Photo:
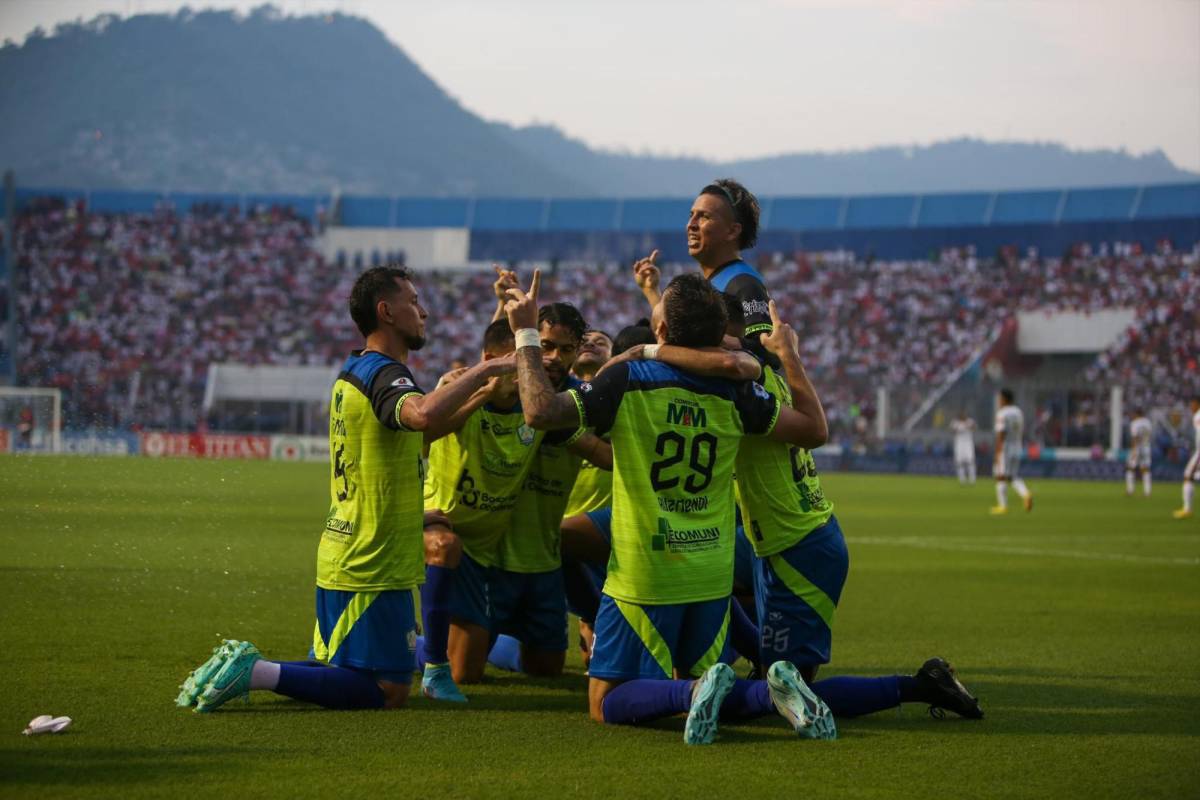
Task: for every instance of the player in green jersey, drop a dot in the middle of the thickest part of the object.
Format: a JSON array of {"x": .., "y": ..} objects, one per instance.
[
  {"x": 477, "y": 475},
  {"x": 371, "y": 552},
  {"x": 675, "y": 436}
]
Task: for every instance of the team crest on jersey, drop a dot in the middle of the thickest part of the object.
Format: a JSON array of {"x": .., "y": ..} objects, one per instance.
[
  {"x": 760, "y": 391},
  {"x": 525, "y": 434},
  {"x": 404, "y": 383},
  {"x": 586, "y": 386}
]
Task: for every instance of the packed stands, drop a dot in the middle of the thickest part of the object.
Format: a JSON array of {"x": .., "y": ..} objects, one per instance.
[{"x": 125, "y": 311}]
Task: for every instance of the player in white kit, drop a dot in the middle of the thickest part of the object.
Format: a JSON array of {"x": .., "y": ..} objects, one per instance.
[
  {"x": 1010, "y": 427},
  {"x": 964, "y": 448},
  {"x": 1140, "y": 431},
  {"x": 1191, "y": 473}
]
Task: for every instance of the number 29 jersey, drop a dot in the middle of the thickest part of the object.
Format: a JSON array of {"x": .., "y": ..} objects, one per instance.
[{"x": 675, "y": 437}]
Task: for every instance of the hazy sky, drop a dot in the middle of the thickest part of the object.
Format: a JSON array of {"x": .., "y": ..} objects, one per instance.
[{"x": 737, "y": 78}]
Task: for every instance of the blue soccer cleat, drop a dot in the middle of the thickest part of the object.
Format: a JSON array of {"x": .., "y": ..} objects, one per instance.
[
  {"x": 194, "y": 684},
  {"x": 438, "y": 684},
  {"x": 807, "y": 713},
  {"x": 232, "y": 679},
  {"x": 707, "y": 696}
]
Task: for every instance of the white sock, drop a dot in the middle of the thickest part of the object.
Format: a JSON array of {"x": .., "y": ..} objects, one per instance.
[
  {"x": 971, "y": 473},
  {"x": 1128, "y": 481},
  {"x": 1189, "y": 489},
  {"x": 1002, "y": 494},
  {"x": 1146, "y": 482},
  {"x": 962, "y": 473},
  {"x": 264, "y": 675},
  {"x": 1021, "y": 488}
]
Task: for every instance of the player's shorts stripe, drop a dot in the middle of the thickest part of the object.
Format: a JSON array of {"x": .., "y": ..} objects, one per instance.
[
  {"x": 713, "y": 654},
  {"x": 641, "y": 624},
  {"x": 358, "y": 605},
  {"x": 803, "y": 588}
]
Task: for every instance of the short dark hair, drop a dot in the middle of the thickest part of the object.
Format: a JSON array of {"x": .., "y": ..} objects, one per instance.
[
  {"x": 630, "y": 336},
  {"x": 694, "y": 312},
  {"x": 497, "y": 335},
  {"x": 369, "y": 288},
  {"x": 744, "y": 205},
  {"x": 563, "y": 314},
  {"x": 1007, "y": 394}
]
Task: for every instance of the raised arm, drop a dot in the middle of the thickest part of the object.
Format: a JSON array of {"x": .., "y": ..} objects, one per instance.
[
  {"x": 804, "y": 423},
  {"x": 464, "y": 412},
  {"x": 545, "y": 407},
  {"x": 713, "y": 362},
  {"x": 648, "y": 275},
  {"x": 434, "y": 414},
  {"x": 505, "y": 279}
]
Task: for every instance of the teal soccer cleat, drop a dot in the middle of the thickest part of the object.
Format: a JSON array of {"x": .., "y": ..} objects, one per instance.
[
  {"x": 807, "y": 713},
  {"x": 194, "y": 684},
  {"x": 438, "y": 684},
  {"x": 707, "y": 696},
  {"x": 232, "y": 679}
]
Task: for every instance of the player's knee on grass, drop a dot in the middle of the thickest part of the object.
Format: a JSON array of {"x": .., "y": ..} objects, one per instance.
[
  {"x": 443, "y": 548},
  {"x": 468, "y": 651},
  {"x": 542, "y": 663},
  {"x": 395, "y": 695}
]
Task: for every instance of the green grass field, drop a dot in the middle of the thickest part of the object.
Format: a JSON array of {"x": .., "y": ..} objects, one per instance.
[{"x": 1078, "y": 626}]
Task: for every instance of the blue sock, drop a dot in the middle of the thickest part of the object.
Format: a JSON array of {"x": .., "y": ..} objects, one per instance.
[
  {"x": 743, "y": 633},
  {"x": 746, "y": 700},
  {"x": 644, "y": 700},
  {"x": 331, "y": 687},
  {"x": 419, "y": 654},
  {"x": 853, "y": 697},
  {"x": 506, "y": 654},
  {"x": 435, "y": 612}
]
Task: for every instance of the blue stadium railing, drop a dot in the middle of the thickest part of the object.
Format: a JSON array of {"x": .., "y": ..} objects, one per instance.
[{"x": 885, "y": 225}]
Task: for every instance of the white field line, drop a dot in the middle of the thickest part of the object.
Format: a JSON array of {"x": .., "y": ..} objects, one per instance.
[{"x": 926, "y": 543}]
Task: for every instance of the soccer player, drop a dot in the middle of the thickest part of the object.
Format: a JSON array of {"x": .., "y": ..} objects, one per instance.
[
  {"x": 1010, "y": 424},
  {"x": 477, "y": 475},
  {"x": 1138, "y": 461},
  {"x": 964, "y": 448},
  {"x": 666, "y": 606},
  {"x": 1191, "y": 472},
  {"x": 371, "y": 554}
]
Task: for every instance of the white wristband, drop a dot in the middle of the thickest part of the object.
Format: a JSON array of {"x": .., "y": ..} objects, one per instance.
[
  {"x": 528, "y": 337},
  {"x": 650, "y": 352}
]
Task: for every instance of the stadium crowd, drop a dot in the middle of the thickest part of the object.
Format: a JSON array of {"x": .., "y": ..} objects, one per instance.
[{"x": 125, "y": 312}]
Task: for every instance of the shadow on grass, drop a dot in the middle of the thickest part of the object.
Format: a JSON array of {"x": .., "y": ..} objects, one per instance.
[{"x": 91, "y": 766}]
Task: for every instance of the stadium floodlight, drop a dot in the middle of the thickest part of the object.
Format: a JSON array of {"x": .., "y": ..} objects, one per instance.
[{"x": 30, "y": 419}]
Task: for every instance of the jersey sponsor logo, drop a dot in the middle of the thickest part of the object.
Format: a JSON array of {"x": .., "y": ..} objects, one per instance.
[
  {"x": 687, "y": 541},
  {"x": 752, "y": 307},
  {"x": 403, "y": 383},
  {"x": 334, "y": 525},
  {"x": 337, "y": 402},
  {"x": 687, "y": 414},
  {"x": 760, "y": 391},
  {"x": 682, "y": 505}
]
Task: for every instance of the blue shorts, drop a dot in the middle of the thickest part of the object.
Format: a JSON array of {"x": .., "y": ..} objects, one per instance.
[
  {"x": 644, "y": 641},
  {"x": 471, "y": 593},
  {"x": 531, "y": 607},
  {"x": 373, "y": 632},
  {"x": 796, "y": 593}
]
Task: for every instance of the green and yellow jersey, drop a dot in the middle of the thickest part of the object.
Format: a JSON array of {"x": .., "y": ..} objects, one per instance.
[
  {"x": 476, "y": 475},
  {"x": 532, "y": 543},
  {"x": 778, "y": 489},
  {"x": 373, "y": 532},
  {"x": 675, "y": 438},
  {"x": 593, "y": 490}
]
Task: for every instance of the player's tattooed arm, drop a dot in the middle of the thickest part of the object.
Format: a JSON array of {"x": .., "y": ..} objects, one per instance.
[
  {"x": 545, "y": 407},
  {"x": 434, "y": 414},
  {"x": 648, "y": 276},
  {"x": 594, "y": 449},
  {"x": 806, "y": 418}
]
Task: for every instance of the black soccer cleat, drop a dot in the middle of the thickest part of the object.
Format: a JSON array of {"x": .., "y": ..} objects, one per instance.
[{"x": 942, "y": 690}]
